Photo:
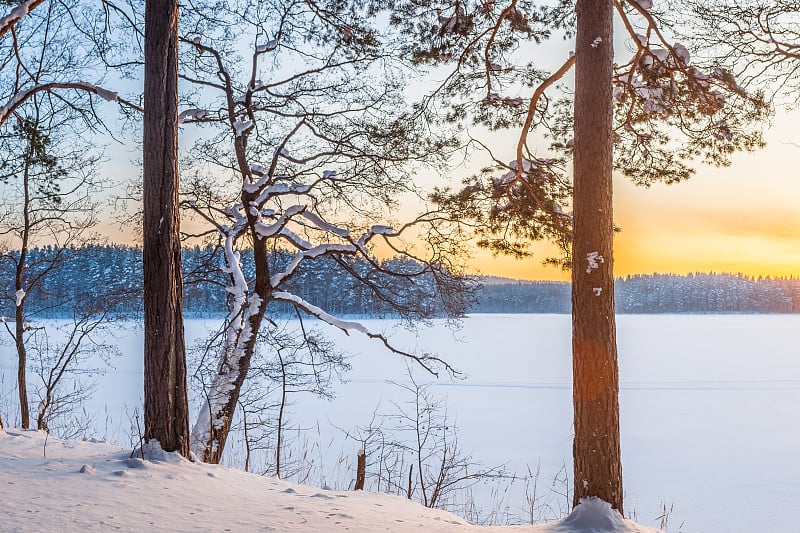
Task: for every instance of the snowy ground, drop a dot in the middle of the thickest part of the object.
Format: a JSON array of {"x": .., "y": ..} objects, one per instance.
[
  {"x": 710, "y": 426},
  {"x": 59, "y": 485}
]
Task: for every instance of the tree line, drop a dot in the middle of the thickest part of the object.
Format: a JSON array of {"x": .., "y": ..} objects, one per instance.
[
  {"x": 653, "y": 293},
  {"x": 115, "y": 272}
]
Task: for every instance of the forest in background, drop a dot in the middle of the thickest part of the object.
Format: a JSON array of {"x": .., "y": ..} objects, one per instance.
[{"x": 116, "y": 271}]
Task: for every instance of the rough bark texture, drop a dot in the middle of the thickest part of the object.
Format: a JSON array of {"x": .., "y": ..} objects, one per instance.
[
  {"x": 596, "y": 448},
  {"x": 165, "y": 396}
]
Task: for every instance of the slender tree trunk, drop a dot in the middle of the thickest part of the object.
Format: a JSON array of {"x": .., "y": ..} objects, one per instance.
[
  {"x": 596, "y": 448},
  {"x": 19, "y": 310},
  {"x": 165, "y": 396},
  {"x": 279, "y": 439},
  {"x": 22, "y": 363},
  {"x": 41, "y": 422},
  {"x": 361, "y": 469}
]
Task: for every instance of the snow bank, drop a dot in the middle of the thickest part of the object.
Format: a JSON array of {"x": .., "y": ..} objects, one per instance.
[
  {"x": 593, "y": 515},
  {"x": 59, "y": 485}
]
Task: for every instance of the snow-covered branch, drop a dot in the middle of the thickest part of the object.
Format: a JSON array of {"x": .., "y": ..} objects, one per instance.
[
  {"x": 16, "y": 14},
  {"x": 21, "y": 97},
  {"x": 266, "y": 231},
  {"x": 426, "y": 361},
  {"x": 313, "y": 253}
]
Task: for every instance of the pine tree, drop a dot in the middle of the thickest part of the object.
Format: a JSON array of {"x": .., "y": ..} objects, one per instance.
[{"x": 166, "y": 408}]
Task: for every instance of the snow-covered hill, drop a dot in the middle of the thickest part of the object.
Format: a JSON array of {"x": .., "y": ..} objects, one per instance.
[{"x": 59, "y": 485}]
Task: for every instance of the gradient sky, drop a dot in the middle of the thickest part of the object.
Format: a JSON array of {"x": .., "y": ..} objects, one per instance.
[{"x": 743, "y": 218}]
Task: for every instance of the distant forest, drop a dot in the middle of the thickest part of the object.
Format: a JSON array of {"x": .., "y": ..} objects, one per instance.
[{"x": 86, "y": 274}]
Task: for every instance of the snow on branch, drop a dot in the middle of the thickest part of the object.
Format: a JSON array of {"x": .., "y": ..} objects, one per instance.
[
  {"x": 346, "y": 326},
  {"x": 20, "y": 98},
  {"x": 16, "y": 14},
  {"x": 313, "y": 253},
  {"x": 295, "y": 239},
  {"x": 378, "y": 229},
  {"x": 277, "y": 227},
  {"x": 192, "y": 114},
  {"x": 267, "y": 47},
  {"x": 326, "y": 226},
  {"x": 311, "y": 309},
  {"x": 233, "y": 267},
  {"x": 275, "y": 189}
]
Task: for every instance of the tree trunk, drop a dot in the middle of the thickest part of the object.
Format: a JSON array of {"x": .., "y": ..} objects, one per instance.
[
  {"x": 596, "y": 448},
  {"x": 22, "y": 364},
  {"x": 19, "y": 310},
  {"x": 361, "y": 469},
  {"x": 210, "y": 433},
  {"x": 165, "y": 396}
]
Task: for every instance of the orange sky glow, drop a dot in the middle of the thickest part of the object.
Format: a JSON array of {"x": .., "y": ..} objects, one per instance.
[{"x": 743, "y": 218}]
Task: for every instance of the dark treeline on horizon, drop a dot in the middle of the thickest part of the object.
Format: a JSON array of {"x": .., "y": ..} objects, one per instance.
[
  {"x": 653, "y": 293},
  {"x": 87, "y": 274}
]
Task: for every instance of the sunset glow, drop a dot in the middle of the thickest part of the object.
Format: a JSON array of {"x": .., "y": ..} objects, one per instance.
[{"x": 744, "y": 218}]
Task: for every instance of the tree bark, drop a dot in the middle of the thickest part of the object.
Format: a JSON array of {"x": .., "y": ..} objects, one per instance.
[
  {"x": 214, "y": 423},
  {"x": 596, "y": 448},
  {"x": 165, "y": 396},
  {"x": 22, "y": 365},
  {"x": 361, "y": 470}
]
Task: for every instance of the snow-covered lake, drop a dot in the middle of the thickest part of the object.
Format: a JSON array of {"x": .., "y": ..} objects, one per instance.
[{"x": 710, "y": 424}]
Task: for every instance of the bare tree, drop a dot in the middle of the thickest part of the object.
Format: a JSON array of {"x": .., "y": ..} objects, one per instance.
[
  {"x": 303, "y": 363},
  {"x": 304, "y": 147},
  {"x": 47, "y": 199},
  {"x": 47, "y": 166},
  {"x": 289, "y": 362},
  {"x": 47, "y": 52},
  {"x": 60, "y": 358},
  {"x": 412, "y": 449}
]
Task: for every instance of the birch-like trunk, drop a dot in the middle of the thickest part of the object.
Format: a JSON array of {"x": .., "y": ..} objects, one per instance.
[{"x": 210, "y": 432}]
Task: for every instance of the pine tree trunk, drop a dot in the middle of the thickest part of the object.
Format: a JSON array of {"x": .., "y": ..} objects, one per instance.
[
  {"x": 165, "y": 396},
  {"x": 596, "y": 448}
]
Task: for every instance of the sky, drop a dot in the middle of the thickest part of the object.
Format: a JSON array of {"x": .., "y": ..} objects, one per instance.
[{"x": 743, "y": 218}]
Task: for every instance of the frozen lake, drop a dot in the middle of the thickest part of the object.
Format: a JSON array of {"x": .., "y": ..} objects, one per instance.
[{"x": 710, "y": 424}]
